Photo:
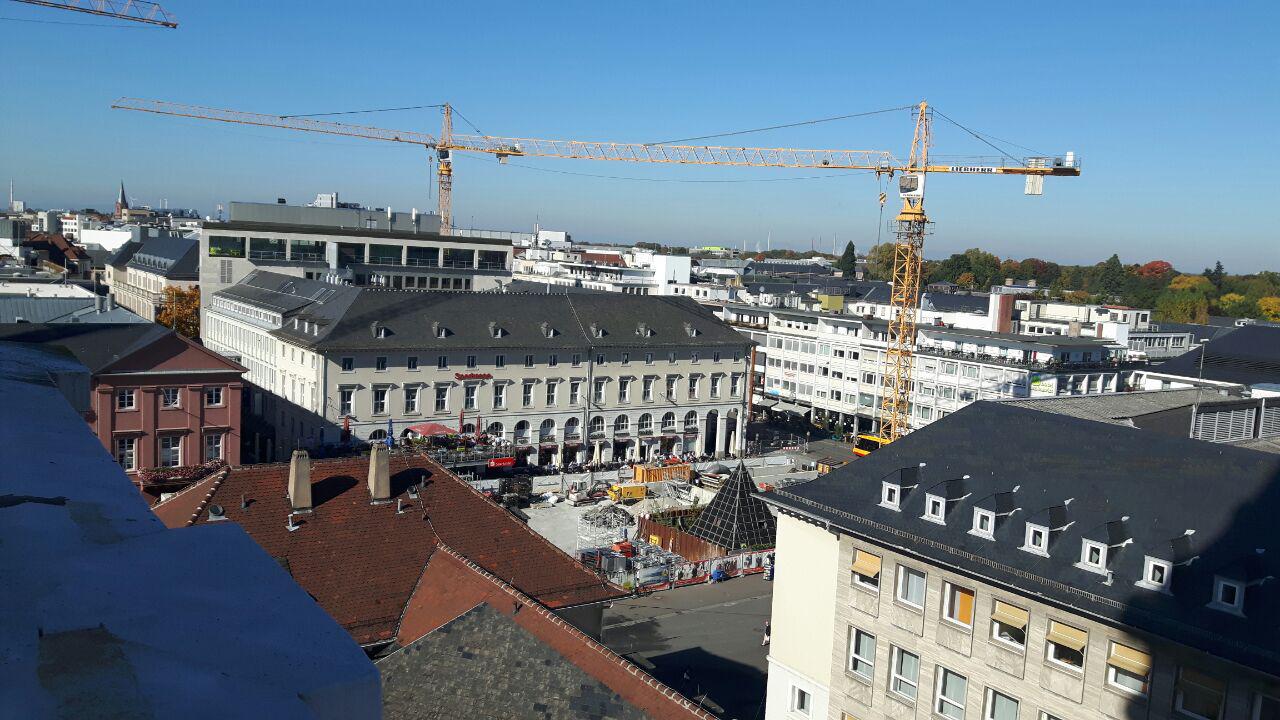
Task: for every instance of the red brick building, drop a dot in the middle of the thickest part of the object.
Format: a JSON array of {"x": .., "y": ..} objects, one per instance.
[{"x": 158, "y": 399}]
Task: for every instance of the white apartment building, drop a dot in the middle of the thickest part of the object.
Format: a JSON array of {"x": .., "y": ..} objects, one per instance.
[
  {"x": 633, "y": 272},
  {"x": 830, "y": 366},
  {"x": 990, "y": 567},
  {"x": 564, "y": 377},
  {"x": 139, "y": 274}
]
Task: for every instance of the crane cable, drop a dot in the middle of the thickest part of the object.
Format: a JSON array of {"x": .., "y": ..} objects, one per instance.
[
  {"x": 780, "y": 127},
  {"x": 979, "y": 136}
]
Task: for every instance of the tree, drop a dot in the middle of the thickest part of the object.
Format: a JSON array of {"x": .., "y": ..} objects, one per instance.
[
  {"x": 1216, "y": 275},
  {"x": 1237, "y": 305},
  {"x": 1111, "y": 277},
  {"x": 1154, "y": 269},
  {"x": 985, "y": 267},
  {"x": 880, "y": 262},
  {"x": 1269, "y": 308},
  {"x": 1184, "y": 306},
  {"x": 1197, "y": 283},
  {"x": 848, "y": 262},
  {"x": 966, "y": 279},
  {"x": 181, "y": 311}
]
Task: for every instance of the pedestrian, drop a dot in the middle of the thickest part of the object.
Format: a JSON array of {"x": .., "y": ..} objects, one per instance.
[{"x": 765, "y": 641}]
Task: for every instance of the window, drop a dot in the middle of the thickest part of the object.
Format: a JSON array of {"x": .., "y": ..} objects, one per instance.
[
  {"x": 1265, "y": 707},
  {"x": 379, "y": 401},
  {"x": 170, "y": 397},
  {"x": 957, "y": 604},
  {"x": 212, "y": 397},
  {"x": 693, "y": 387},
  {"x": 715, "y": 387},
  {"x": 648, "y": 358},
  {"x": 735, "y": 386},
  {"x": 597, "y": 393},
  {"x": 551, "y": 392},
  {"x": 693, "y": 357},
  {"x": 1155, "y": 573},
  {"x": 801, "y": 701},
  {"x": 866, "y": 570},
  {"x": 170, "y": 450},
  {"x": 596, "y": 426},
  {"x": 671, "y": 357},
  {"x": 647, "y": 390},
  {"x": 1198, "y": 695},
  {"x": 862, "y": 653},
  {"x": 1037, "y": 540},
  {"x": 348, "y": 364},
  {"x": 577, "y": 359},
  {"x": 626, "y": 358},
  {"x": 671, "y": 387},
  {"x": 125, "y": 400},
  {"x": 984, "y": 523},
  {"x": 1009, "y": 625},
  {"x": 528, "y": 361},
  {"x": 1065, "y": 645},
  {"x": 599, "y": 358},
  {"x": 346, "y": 397},
  {"x": 442, "y": 398},
  {"x": 125, "y": 453},
  {"x": 500, "y": 361},
  {"x": 1128, "y": 669},
  {"x": 1000, "y": 706},
  {"x": 1228, "y": 595},
  {"x": 442, "y": 362},
  {"x": 911, "y": 586},
  {"x": 950, "y": 694},
  {"x": 889, "y": 495},
  {"x": 469, "y": 396},
  {"x": 935, "y": 508},
  {"x": 499, "y": 396},
  {"x": 471, "y": 361},
  {"x": 380, "y": 363},
  {"x": 410, "y": 400},
  {"x": 553, "y": 360},
  {"x": 904, "y": 673},
  {"x": 624, "y": 390},
  {"x": 575, "y": 392},
  {"x": 526, "y": 395},
  {"x": 213, "y": 446},
  {"x": 1093, "y": 556}
]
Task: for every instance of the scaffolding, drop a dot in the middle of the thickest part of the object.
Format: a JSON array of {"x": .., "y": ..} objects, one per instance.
[{"x": 602, "y": 526}]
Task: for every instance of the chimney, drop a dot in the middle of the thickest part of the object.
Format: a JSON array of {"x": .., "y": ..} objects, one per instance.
[
  {"x": 1073, "y": 328},
  {"x": 99, "y": 303},
  {"x": 379, "y": 474},
  {"x": 300, "y": 481},
  {"x": 111, "y": 301}
]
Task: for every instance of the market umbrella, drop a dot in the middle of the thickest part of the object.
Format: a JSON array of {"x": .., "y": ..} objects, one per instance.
[
  {"x": 391, "y": 434},
  {"x": 428, "y": 429}
]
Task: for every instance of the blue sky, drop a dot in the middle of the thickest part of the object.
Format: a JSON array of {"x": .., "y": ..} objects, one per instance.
[{"x": 1163, "y": 103}]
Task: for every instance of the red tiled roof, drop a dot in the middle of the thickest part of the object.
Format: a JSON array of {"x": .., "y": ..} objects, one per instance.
[
  {"x": 452, "y": 585},
  {"x": 363, "y": 562}
]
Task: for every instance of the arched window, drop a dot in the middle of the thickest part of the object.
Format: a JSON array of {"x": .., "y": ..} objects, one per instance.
[
  {"x": 378, "y": 435},
  {"x": 646, "y": 423},
  {"x": 691, "y": 420},
  {"x": 669, "y": 421},
  {"x": 469, "y": 429},
  {"x": 547, "y": 430},
  {"x": 495, "y": 429},
  {"x": 621, "y": 424},
  {"x": 571, "y": 428},
  {"x": 596, "y": 426},
  {"x": 522, "y": 431}
]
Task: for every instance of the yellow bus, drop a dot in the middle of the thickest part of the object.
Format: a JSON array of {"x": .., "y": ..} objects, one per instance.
[{"x": 866, "y": 444}]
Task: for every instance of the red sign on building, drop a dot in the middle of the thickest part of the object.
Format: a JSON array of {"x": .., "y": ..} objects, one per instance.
[
  {"x": 502, "y": 462},
  {"x": 472, "y": 376}
]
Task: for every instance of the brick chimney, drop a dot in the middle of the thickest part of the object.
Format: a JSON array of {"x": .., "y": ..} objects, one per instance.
[
  {"x": 300, "y": 481},
  {"x": 379, "y": 474}
]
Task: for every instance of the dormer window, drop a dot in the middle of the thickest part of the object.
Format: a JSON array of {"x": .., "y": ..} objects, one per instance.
[
  {"x": 382, "y": 332},
  {"x": 547, "y": 330},
  {"x": 1093, "y": 556},
  {"x": 596, "y": 331},
  {"x": 690, "y": 330},
  {"x": 984, "y": 524},
  {"x": 1228, "y": 595},
  {"x": 1155, "y": 573},
  {"x": 1037, "y": 539},
  {"x": 935, "y": 509},
  {"x": 890, "y": 495}
]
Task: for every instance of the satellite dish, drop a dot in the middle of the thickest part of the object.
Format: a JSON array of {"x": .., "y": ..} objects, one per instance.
[{"x": 217, "y": 512}]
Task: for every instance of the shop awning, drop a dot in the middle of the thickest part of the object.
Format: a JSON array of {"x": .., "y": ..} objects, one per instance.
[
  {"x": 766, "y": 404},
  {"x": 784, "y": 406}
]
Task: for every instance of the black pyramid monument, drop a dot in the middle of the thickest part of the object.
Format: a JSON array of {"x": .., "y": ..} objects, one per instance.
[{"x": 736, "y": 517}]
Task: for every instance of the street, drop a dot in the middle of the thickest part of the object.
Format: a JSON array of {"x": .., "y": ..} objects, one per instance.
[{"x": 702, "y": 640}]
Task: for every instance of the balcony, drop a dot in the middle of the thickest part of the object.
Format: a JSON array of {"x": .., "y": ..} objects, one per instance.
[{"x": 267, "y": 255}]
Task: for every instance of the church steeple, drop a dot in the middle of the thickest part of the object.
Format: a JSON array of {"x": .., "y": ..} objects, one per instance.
[{"x": 122, "y": 202}]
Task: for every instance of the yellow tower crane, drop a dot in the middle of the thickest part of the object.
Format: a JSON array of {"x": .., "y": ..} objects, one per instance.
[
  {"x": 911, "y": 221},
  {"x": 140, "y": 11}
]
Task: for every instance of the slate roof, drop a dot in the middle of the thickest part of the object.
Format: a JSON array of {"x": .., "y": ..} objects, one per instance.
[
  {"x": 1114, "y": 408},
  {"x": 95, "y": 346},
  {"x": 412, "y": 317},
  {"x": 121, "y": 257},
  {"x": 363, "y": 563},
  {"x": 488, "y": 651},
  {"x": 1199, "y": 332},
  {"x": 173, "y": 257},
  {"x": 955, "y": 302},
  {"x": 1164, "y": 485},
  {"x": 60, "y": 310},
  {"x": 736, "y": 517},
  {"x": 1249, "y": 355}
]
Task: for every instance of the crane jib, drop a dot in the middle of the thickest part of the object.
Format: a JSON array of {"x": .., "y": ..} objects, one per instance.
[{"x": 970, "y": 169}]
